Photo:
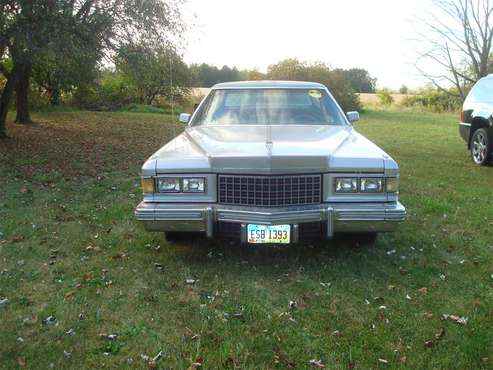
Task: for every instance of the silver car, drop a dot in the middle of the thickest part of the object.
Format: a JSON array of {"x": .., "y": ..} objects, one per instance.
[{"x": 272, "y": 162}]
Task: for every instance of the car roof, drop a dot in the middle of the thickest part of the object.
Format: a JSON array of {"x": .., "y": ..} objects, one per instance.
[{"x": 268, "y": 85}]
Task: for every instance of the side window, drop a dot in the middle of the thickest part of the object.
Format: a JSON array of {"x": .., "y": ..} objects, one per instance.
[
  {"x": 199, "y": 115},
  {"x": 482, "y": 91}
]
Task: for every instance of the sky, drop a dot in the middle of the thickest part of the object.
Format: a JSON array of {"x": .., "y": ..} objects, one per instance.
[{"x": 372, "y": 34}]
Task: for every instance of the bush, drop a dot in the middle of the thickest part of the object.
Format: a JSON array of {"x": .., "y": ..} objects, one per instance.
[
  {"x": 385, "y": 97},
  {"x": 110, "y": 92},
  {"x": 435, "y": 101}
]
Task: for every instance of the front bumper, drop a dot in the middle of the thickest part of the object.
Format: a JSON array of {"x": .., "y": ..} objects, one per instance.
[{"x": 341, "y": 217}]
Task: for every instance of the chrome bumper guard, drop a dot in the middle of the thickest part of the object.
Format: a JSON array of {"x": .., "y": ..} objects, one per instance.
[{"x": 343, "y": 217}]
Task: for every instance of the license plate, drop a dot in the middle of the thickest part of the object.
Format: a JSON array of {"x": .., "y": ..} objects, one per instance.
[{"x": 279, "y": 234}]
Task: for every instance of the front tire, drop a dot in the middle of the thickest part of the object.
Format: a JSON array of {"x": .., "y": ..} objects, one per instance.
[{"x": 481, "y": 147}]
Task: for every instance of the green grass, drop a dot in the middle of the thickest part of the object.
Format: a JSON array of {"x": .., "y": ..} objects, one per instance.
[
  {"x": 142, "y": 108},
  {"x": 70, "y": 248}
]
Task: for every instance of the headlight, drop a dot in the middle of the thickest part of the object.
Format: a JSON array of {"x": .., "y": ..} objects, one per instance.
[
  {"x": 168, "y": 185},
  {"x": 194, "y": 185},
  {"x": 346, "y": 185},
  {"x": 392, "y": 185},
  {"x": 371, "y": 185},
  {"x": 147, "y": 185}
]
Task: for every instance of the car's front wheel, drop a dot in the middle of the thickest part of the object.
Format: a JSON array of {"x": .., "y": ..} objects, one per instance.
[{"x": 481, "y": 147}]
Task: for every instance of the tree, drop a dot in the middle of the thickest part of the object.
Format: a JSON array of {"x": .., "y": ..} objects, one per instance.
[
  {"x": 403, "y": 90},
  {"x": 458, "y": 36},
  {"x": 293, "y": 69},
  {"x": 288, "y": 69},
  {"x": 152, "y": 71},
  {"x": 359, "y": 78},
  {"x": 64, "y": 69},
  {"x": 30, "y": 28},
  {"x": 252, "y": 75},
  {"x": 206, "y": 75}
]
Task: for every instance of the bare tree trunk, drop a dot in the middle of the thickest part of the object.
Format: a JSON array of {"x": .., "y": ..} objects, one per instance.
[
  {"x": 54, "y": 95},
  {"x": 22, "y": 94},
  {"x": 5, "y": 98}
]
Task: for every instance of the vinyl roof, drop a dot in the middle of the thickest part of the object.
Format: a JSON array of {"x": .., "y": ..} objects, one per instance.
[{"x": 268, "y": 85}]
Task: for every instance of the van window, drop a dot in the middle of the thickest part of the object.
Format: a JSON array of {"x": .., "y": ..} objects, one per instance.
[{"x": 482, "y": 91}]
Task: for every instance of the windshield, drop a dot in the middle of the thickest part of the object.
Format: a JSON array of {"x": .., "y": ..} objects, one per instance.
[{"x": 269, "y": 107}]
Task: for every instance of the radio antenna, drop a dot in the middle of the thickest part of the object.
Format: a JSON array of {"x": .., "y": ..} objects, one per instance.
[{"x": 173, "y": 123}]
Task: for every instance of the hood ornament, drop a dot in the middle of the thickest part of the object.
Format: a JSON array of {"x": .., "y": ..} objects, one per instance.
[{"x": 268, "y": 140}]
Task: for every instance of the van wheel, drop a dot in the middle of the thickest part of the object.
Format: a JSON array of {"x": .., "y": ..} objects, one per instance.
[{"x": 481, "y": 147}]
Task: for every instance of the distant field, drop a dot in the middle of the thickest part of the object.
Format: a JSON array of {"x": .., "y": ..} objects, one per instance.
[
  {"x": 372, "y": 99},
  {"x": 118, "y": 296}
]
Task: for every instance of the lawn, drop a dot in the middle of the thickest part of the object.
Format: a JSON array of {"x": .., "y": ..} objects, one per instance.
[{"x": 88, "y": 287}]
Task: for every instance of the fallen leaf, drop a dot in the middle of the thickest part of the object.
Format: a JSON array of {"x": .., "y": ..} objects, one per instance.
[
  {"x": 440, "y": 334},
  {"x": 107, "y": 336},
  {"x": 458, "y": 319},
  {"x": 69, "y": 295},
  {"x": 423, "y": 290},
  {"x": 429, "y": 343},
  {"x": 21, "y": 361},
  {"x": 316, "y": 363},
  {"x": 50, "y": 320},
  {"x": 403, "y": 271},
  {"x": 158, "y": 356},
  {"x": 198, "y": 363}
]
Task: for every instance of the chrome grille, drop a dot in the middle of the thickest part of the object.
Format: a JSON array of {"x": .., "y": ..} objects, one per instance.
[{"x": 269, "y": 191}]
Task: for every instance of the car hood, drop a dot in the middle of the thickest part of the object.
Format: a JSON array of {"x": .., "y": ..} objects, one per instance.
[{"x": 269, "y": 149}]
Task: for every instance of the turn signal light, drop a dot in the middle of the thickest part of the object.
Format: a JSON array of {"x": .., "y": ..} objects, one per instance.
[{"x": 147, "y": 185}]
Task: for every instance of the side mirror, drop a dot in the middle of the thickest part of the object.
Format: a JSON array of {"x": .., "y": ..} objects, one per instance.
[
  {"x": 185, "y": 117},
  {"x": 352, "y": 116}
]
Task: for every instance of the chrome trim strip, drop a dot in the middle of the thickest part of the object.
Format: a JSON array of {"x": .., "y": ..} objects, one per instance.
[{"x": 339, "y": 217}]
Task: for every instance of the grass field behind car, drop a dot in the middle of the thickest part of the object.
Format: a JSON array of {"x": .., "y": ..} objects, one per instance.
[{"x": 121, "y": 297}]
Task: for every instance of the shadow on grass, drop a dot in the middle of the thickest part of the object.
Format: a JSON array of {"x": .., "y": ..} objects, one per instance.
[{"x": 193, "y": 248}]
